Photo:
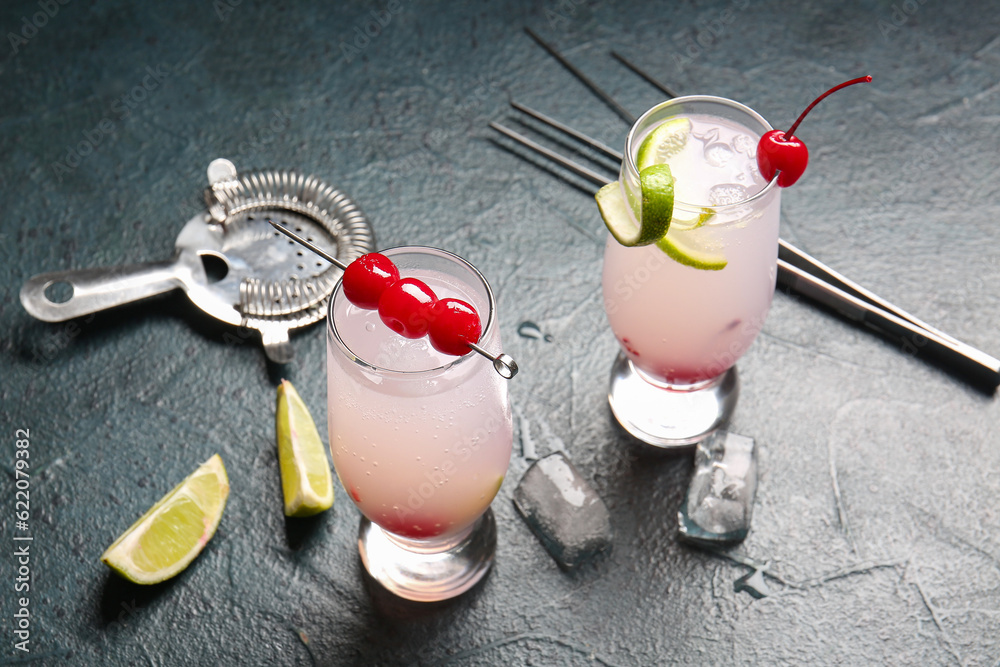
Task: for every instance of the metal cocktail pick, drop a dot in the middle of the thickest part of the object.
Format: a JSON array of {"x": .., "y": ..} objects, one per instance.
[{"x": 503, "y": 363}]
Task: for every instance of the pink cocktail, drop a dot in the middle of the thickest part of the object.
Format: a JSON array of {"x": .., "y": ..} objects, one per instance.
[
  {"x": 683, "y": 323},
  {"x": 420, "y": 439}
]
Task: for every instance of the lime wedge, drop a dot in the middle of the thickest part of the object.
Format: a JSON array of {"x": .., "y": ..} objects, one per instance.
[
  {"x": 665, "y": 141},
  {"x": 305, "y": 470},
  {"x": 692, "y": 247},
  {"x": 656, "y": 208},
  {"x": 167, "y": 538}
]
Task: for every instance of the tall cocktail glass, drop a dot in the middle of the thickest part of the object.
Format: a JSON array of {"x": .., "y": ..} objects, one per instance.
[
  {"x": 421, "y": 440},
  {"x": 682, "y": 327}
]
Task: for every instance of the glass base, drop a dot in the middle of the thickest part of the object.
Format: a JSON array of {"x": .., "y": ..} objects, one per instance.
[
  {"x": 428, "y": 570},
  {"x": 668, "y": 416}
]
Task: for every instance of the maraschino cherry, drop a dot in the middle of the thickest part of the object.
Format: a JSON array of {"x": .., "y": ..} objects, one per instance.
[
  {"x": 405, "y": 307},
  {"x": 453, "y": 325},
  {"x": 409, "y": 307},
  {"x": 367, "y": 277},
  {"x": 786, "y": 154}
]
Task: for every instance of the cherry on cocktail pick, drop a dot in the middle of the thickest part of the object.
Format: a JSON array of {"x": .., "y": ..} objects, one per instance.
[
  {"x": 409, "y": 305},
  {"x": 454, "y": 324},
  {"x": 405, "y": 307},
  {"x": 784, "y": 153},
  {"x": 367, "y": 277}
]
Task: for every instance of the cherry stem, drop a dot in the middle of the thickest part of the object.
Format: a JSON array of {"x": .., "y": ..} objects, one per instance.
[{"x": 795, "y": 125}]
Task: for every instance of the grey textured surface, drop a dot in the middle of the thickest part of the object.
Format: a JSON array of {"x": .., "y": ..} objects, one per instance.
[{"x": 876, "y": 517}]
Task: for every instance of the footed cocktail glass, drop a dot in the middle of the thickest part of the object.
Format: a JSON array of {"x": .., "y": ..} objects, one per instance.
[
  {"x": 683, "y": 320},
  {"x": 421, "y": 440}
]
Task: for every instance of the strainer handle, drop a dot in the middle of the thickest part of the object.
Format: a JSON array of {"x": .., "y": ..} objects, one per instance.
[{"x": 101, "y": 288}]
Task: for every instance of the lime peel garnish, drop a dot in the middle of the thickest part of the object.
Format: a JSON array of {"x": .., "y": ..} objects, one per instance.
[
  {"x": 656, "y": 208},
  {"x": 678, "y": 238}
]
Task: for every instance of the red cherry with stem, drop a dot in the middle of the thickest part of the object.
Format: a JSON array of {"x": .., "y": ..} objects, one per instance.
[
  {"x": 367, "y": 277},
  {"x": 787, "y": 157},
  {"x": 782, "y": 152},
  {"x": 405, "y": 307},
  {"x": 454, "y": 324}
]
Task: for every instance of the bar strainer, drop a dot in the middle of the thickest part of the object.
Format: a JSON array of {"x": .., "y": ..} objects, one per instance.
[{"x": 228, "y": 260}]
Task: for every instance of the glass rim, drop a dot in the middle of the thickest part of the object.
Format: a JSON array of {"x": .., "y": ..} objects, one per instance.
[
  {"x": 331, "y": 325},
  {"x": 710, "y": 99}
]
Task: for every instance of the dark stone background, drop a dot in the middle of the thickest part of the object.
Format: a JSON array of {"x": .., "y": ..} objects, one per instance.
[{"x": 877, "y": 521}]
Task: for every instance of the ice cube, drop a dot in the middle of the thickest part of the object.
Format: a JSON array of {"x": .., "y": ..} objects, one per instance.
[
  {"x": 745, "y": 144},
  {"x": 564, "y": 512},
  {"x": 719, "y": 502},
  {"x": 718, "y": 154}
]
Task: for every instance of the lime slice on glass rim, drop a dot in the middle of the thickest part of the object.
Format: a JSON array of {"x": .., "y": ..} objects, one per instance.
[
  {"x": 664, "y": 142},
  {"x": 686, "y": 242},
  {"x": 167, "y": 538},
  {"x": 655, "y": 210},
  {"x": 305, "y": 471}
]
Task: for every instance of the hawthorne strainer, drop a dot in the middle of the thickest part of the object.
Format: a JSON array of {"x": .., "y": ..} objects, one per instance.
[{"x": 229, "y": 261}]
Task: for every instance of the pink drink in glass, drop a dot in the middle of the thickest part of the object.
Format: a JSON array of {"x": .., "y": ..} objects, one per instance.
[
  {"x": 421, "y": 440},
  {"x": 682, "y": 328}
]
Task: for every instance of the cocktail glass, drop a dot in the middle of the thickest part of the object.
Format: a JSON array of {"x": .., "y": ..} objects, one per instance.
[
  {"x": 682, "y": 328},
  {"x": 421, "y": 440}
]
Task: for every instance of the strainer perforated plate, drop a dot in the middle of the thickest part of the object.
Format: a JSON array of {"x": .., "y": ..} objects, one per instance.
[{"x": 229, "y": 260}]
